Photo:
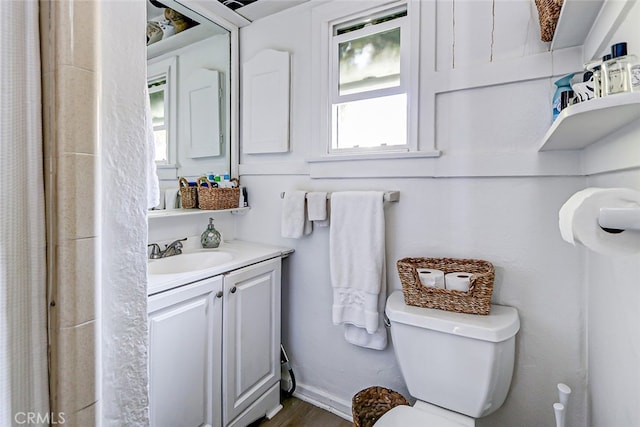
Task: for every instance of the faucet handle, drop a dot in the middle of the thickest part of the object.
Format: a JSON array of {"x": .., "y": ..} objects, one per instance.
[
  {"x": 155, "y": 251},
  {"x": 176, "y": 246}
]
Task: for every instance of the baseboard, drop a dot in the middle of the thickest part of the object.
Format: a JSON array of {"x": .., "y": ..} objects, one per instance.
[{"x": 324, "y": 400}]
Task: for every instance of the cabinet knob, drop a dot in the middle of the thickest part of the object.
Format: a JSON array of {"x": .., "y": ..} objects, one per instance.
[
  {"x": 233, "y": 290},
  {"x": 219, "y": 294}
]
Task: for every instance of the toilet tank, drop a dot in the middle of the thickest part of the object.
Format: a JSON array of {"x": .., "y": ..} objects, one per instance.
[{"x": 461, "y": 362}]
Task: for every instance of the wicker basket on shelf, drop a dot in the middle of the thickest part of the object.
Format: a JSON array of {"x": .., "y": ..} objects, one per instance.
[
  {"x": 188, "y": 194},
  {"x": 477, "y": 300},
  {"x": 548, "y": 13},
  {"x": 213, "y": 198},
  {"x": 370, "y": 404}
]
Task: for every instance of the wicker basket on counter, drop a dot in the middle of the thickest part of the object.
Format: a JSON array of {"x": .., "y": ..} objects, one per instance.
[
  {"x": 370, "y": 404},
  {"x": 548, "y": 14},
  {"x": 213, "y": 198},
  {"x": 188, "y": 194},
  {"x": 477, "y": 300}
]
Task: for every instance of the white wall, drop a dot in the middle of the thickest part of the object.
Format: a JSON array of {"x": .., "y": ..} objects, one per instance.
[
  {"x": 123, "y": 338},
  {"x": 509, "y": 216},
  {"x": 613, "y": 320}
]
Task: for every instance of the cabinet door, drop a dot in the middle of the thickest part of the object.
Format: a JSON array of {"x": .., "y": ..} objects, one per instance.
[
  {"x": 185, "y": 336},
  {"x": 251, "y": 337}
]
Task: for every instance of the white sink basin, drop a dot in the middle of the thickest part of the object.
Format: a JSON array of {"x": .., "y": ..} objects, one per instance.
[{"x": 187, "y": 262}]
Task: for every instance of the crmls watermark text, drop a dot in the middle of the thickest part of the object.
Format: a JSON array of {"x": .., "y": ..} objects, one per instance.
[{"x": 51, "y": 418}]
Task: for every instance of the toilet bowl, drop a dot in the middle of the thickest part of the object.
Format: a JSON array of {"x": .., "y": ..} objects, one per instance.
[{"x": 458, "y": 366}]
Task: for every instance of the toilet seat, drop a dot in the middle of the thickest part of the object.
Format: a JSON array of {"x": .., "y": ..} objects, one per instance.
[{"x": 409, "y": 416}]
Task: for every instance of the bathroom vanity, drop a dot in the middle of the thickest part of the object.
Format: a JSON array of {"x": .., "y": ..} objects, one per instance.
[{"x": 214, "y": 336}]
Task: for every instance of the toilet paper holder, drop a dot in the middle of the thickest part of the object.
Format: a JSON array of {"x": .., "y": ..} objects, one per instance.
[{"x": 617, "y": 220}]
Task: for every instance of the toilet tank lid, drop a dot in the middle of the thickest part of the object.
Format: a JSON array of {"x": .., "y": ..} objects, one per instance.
[{"x": 501, "y": 324}]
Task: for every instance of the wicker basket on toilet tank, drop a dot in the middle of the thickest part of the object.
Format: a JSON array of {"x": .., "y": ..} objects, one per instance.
[{"x": 477, "y": 300}]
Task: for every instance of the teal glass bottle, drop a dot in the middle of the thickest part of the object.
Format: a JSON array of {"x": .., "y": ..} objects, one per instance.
[{"x": 210, "y": 238}]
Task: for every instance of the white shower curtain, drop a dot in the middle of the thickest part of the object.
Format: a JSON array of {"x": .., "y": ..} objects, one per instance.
[{"x": 23, "y": 333}]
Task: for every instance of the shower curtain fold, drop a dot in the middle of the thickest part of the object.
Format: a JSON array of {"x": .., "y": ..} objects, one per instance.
[{"x": 23, "y": 327}]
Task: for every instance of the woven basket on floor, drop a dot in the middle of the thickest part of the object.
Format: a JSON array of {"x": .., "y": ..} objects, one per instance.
[
  {"x": 477, "y": 300},
  {"x": 212, "y": 198},
  {"x": 548, "y": 13},
  {"x": 188, "y": 194},
  {"x": 370, "y": 404}
]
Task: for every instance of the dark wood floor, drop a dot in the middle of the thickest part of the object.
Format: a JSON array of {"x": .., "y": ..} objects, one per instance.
[{"x": 297, "y": 413}]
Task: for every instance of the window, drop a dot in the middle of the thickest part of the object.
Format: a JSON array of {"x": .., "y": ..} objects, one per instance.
[
  {"x": 369, "y": 83},
  {"x": 161, "y": 81},
  {"x": 158, "y": 99}
]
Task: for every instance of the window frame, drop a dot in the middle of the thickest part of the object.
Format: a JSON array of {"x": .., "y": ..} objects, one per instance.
[
  {"x": 153, "y": 87},
  {"x": 409, "y": 72},
  {"x": 167, "y": 69}
]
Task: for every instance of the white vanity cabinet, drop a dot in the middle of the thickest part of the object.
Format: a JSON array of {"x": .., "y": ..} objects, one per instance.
[
  {"x": 214, "y": 349},
  {"x": 251, "y": 342},
  {"x": 185, "y": 333}
]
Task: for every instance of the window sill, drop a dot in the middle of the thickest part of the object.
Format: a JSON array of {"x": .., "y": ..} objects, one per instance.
[
  {"x": 167, "y": 172},
  {"x": 374, "y": 156}
]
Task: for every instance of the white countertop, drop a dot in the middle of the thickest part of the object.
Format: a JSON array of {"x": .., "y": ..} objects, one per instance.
[{"x": 244, "y": 253}]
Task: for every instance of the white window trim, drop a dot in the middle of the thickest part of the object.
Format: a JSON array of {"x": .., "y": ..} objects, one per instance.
[
  {"x": 324, "y": 18},
  {"x": 156, "y": 69}
]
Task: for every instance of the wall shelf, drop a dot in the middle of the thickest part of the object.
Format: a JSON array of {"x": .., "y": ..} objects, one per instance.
[
  {"x": 182, "y": 39},
  {"x": 583, "y": 124},
  {"x": 575, "y": 21},
  {"x": 166, "y": 213}
]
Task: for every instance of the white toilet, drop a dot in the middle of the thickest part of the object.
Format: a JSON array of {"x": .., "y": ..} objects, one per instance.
[{"x": 457, "y": 366}]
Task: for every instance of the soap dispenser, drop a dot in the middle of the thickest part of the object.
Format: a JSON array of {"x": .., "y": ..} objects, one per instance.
[{"x": 211, "y": 237}]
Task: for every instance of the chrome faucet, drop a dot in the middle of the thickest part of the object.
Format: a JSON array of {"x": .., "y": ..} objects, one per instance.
[{"x": 173, "y": 248}]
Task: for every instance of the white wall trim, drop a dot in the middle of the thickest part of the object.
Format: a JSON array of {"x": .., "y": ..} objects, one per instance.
[
  {"x": 375, "y": 156},
  {"x": 560, "y": 163},
  {"x": 274, "y": 168},
  {"x": 324, "y": 400}
]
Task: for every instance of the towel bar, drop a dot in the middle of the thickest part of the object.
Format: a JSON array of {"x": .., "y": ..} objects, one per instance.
[{"x": 389, "y": 196}]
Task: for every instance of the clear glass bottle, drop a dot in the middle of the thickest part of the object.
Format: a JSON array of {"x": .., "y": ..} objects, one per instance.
[
  {"x": 635, "y": 77},
  {"x": 619, "y": 69}
]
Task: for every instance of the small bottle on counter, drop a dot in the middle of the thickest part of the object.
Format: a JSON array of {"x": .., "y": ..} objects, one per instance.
[{"x": 210, "y": 238}]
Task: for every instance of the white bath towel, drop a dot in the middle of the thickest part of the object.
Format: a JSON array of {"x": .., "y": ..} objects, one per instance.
[
  {"x": 357, "y": 258},
  {"x": 294, "y": 222}
]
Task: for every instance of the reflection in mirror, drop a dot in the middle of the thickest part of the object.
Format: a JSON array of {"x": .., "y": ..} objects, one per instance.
[{"x": 189, "y": 81}]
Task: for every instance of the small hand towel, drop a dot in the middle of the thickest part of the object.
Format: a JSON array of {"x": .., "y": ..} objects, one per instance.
[
  {"x": 325, "y": 222},
  {"x": 357, "y": 260},
  {"x": 317, "y": 205},
  {"x": 153, "y": 185},
  {"x": 294, "y": 222}
]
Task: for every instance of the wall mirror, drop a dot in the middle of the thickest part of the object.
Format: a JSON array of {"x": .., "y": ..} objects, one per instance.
[{"x": 192, "y": 81}]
